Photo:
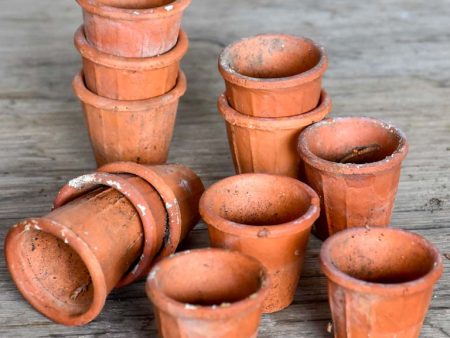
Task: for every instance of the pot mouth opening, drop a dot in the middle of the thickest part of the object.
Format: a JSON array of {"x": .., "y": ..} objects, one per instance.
[{"x": 136, "y": 4}]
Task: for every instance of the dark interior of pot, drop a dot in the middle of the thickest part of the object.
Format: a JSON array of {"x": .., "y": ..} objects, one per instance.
[
  {"x": 379, "y": 256},
  {"x": 271, "y": 56},
  {"x": 210, "y": 278},
  {"x": 353, "y": 140},
  {"x": 135, "y": 4}
]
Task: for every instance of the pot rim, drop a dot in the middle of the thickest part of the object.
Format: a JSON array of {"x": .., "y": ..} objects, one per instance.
[
  {"x": 321, "y": 164},
  {"x": 85, "y": 183},
  {"x": 169, "y": 305},
  {"x": 233, "y": 117},
  {"x": 232, "y": 76},
  {"x": 79, "y": 246},
  {"x": 117, "y": 106},
  {"x": 358, "y": 285},
  {"x": 97, "y": 8},
  {"x": 299, "y": 224},
  {"x": 130, "y": 63}
]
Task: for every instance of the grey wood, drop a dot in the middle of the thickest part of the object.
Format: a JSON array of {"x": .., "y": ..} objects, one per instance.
[{"x": 389, "y": 59}]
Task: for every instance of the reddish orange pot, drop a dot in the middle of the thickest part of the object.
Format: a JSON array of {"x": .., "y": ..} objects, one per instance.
[
  {"x": 207, "y": 293},
  {"x": 137, "y": 28},
  {"x": 120, "y": 78},
  {"x": 137, "y": 131},
  {"x": 354, "y": 165},
  {"x": 268, "y": 217},
  {"x": 380, "y": 281},
  {"x": 273, "y": 75},
  {"x": 268, "y": 145}
]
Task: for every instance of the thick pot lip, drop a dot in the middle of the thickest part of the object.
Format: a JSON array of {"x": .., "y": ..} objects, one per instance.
[
  {"x": 97, "y": 8},
  {"x": 88, "y": 97},
  {"x": 230, "y": 75},
  {"x": 168, "y": 305},
  {"x": 235, "y": 118},
  {"x": 297, "y": 225},
  {"x": 91, "y": 53},
  {"x": 79, "y": 246},
  {"x": 85, "y": 183},
  {"x": 345, "y": 280},
  {"x": 389, "y": 162}
]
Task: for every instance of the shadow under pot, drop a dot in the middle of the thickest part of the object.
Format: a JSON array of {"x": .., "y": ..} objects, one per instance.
[
  {"x": 268, "y": 217},
  {"x": 137, "y": 131},
  {"x": 380, "y": 281},
  {"x": 268, "y": 145},
  {"x": 137, "y": 28},
  {"x": 273, "y": 75},
  {"x": 353, "y": 163},
  {"x": 121, "y": 78},
  {"x": 207, "y": 293}
]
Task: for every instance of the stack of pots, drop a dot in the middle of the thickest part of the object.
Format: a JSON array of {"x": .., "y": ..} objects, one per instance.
[
  {"x": 131, "y": 80},
  {"x": 273, "y": 91}
]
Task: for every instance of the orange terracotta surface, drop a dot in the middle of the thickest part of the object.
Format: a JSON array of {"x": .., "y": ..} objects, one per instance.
[
  {"x": 138, "y": 28},
  {"x": 268, "y": 217},
  {"x": 138, "y": 131},
  {"x": 273, "y": 75},
  {"x": 207, "y": 293},
  {"x": 121, "y": 78},
  {"x": 354, "y": 165},
  {"x": 180, "y": 190},
  {"x": 268, "y": 145},
  {"x": 380, "y": 281}
]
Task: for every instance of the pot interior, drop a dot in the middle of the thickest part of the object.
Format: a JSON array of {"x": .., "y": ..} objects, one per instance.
[
  {"x": 380, "y": 256},
  {"x": 271, "y": 56},
  {"x": 209, "y": 278},
  {"x": 353, "y": 140},
  {"x": 135, "y": 4}
]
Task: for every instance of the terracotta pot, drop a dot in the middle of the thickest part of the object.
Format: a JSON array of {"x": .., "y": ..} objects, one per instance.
[
  {"x": 122, "y": 78},
  {"x": 66, "y": 263},
  {"x": 273, "y": 75},
  {"x": 138, "y": 131},
  {"x": 268, "y": 217},
  {"x": 207, "y": 293},
  {"x": 380, "y": 281},
  {"x": 353, "y": 163},
  {"x": 268, "y": 145},
  {"x": 180, "y": 189},
  {"x": 139, "y": 28}
]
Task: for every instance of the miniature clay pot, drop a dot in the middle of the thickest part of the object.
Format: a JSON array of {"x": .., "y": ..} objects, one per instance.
[
  {"x": 137, "y": 131},
  {"x": 273, "y": 75},
  {"x": 268, "y": 145},
  {"x": 180, "y": 189},
  {"x": 207, "y": 293},
  {"x": 380, "y": 281},
  {"x": 139, "y": 28},
  {"x": 268, "y": 217},
  {"x": 120, "y": 78},
  {"x": 353, "y": 163},
  {"x": 66, "y": 263}
]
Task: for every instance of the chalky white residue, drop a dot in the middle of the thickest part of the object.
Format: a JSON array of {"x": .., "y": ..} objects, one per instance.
[
  {"x": 26, "y": 227},
  {"x": 190, "y": 307},
  {"x": 153, "y": 273},
  {"x": 114, "y": 184},
  {"x": 142, "y": 208},
  {"x": 185, "y": 185},
  {"x": 168, "y": 8},
  {"x": 81, "y": 181},
  {"x": 168, "y": 205}
]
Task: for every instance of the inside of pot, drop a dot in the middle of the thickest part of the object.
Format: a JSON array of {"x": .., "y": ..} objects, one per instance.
[
  {"x": 353, "y": 140},
  {"x": 271, "y": 56},
  {"x": 210, "y": 278},
  {"x": 136, "y": 4},
  {"x": 379, "y": 256}
]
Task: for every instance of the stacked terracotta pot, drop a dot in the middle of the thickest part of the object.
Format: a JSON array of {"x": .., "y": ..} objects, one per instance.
[
  {"x": 273, "y": 91},
  {"x": 131, "y": 80}
]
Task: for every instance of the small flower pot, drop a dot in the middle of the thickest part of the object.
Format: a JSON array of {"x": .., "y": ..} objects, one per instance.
[
  {"x": 267, "y": 145},
  {"x": 268, "y": 217},
  {"x": 140, "y": 28},
  {"x": 380, "y": 281},
  {"x": 137, "y": 131},
  {"x": 207, "y": 293},
  {"x": 121, "y": 78},
  {"x": 273, "y": 75},
  {"x": 354, "y": 164}
]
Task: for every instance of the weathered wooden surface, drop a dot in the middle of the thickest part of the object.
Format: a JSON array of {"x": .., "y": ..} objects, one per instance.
[{"x": 388, "y": 59}]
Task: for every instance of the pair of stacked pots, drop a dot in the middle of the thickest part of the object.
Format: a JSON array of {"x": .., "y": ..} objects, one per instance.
[{"x": 131, "y": 80}]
